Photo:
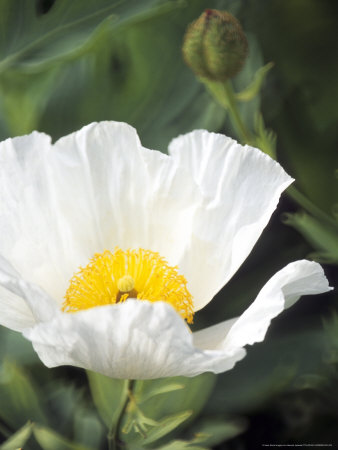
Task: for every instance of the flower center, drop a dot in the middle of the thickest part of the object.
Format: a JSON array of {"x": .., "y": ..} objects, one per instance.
[{"x": 111, "y": 278}]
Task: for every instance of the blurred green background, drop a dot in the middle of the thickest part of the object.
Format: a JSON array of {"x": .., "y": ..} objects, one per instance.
[{"x": 64, "y": 64}]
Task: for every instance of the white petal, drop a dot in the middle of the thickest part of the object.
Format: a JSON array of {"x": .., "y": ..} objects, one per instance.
[
  {"x": 22, "y": 304},
  {"x": 281, "y": 291},
  {"x": 27, "y": 216},
  {"x": 242, "y": 187},
  {"x": 135, "y": 339},
  {"x": 95, "y": 189},
  {"x": 15, "y": 314},
  {"x": 211, "y": 337},
  {"x": 121, "y": 194}
]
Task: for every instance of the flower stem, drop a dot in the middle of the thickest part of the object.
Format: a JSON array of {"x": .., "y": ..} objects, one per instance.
[{"x": 114, "y": 435}]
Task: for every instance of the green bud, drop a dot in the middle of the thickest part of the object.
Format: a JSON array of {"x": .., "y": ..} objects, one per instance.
[{"x": 215, "y": 46}]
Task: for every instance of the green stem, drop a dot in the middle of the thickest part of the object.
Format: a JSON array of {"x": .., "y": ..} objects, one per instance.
[
  {"x": 114, "y": 435},
  {"x": 223, "y": 93},
  {"x": 243, "y": 133}
]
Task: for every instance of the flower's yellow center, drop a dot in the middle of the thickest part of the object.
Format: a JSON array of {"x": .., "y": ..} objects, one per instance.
[{"x": 113, "y": 277}]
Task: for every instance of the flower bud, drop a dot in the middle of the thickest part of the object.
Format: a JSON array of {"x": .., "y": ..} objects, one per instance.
[{"x": 215, "y": 46}]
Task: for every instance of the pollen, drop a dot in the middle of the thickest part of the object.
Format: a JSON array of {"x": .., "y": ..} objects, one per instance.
[
  {"x": 111, "y": 278},
  {"x": 126, "y": 283}
]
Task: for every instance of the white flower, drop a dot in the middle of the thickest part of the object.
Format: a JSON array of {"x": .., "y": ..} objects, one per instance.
[{"x": 202, "y": 208}]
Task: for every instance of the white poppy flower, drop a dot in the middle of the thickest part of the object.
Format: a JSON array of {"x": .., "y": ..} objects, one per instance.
[{"x": 167, "y": 233}]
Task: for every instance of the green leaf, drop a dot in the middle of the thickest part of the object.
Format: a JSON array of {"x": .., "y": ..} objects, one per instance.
[
  {"x": 88, "y": 429},
  {"x": 20, "y": 349},
  {"x": 181, "y": 445},
  {"x": 18, "y": 439},
  {"x": 208, "y": 434},
  {"x": 108, "y": 395},
  {"x": 192, "y": 396},
  {"x": 24, "y": 97},
  {"x": 265, "y": 139},
  {"x": 322, "y": 236},
  {"x": 31, "y": 38},
  {"x": 50, "y": 440},
  {"x": 164, "y": 427},
  {"x": 251, "y": 91},
  {"x": 120, "y": 79},
  {"x": 66, "y": 403},
  {"x": 19, "y": 397},
  {"x": 157, "y": 390},
  {"x": 158, "y": 407},
  {"x": 213, "y": 432}
]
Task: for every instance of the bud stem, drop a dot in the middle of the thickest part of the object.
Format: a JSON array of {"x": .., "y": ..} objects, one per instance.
[
  {"x": 244, "y": 134},
  {"x": 224, "y": 94}
]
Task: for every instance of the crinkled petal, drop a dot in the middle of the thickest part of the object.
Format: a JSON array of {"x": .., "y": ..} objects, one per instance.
[
  {"x": 210, "y": 338},
  {"x": 95, "y": 189},
  {"x": 28, "y": 219},
  {"x": 15, "y": 313},
  {"x": 281, "y": 291},
  {"x": 22, "y": 304},
  {"x": 135, "y": 339},
  {"x": 242, "y": 187}
]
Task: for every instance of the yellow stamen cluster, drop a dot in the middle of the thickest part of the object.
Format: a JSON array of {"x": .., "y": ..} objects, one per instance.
[{"x": 113, "y": 277}]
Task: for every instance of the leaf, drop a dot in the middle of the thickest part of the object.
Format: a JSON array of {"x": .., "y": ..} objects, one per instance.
[
  {"x": 213, "y": 432},
  {"x": 50, "y": 440},
  {"x": 19, "y": 398},
  {"x": 18, "y": 439},
  {"x": 24, "y": 97},
  {"x": 208, "y": 434},
  {"x": 265, "y": 139},
  {"x": 20, "y": 349},
  {"x": 155, "y": 413},
  {"x": 108, "y": 394},
  {"x": 157, "y": 390},
  {"x": 31, "y": 39},
  {"x": 165, "y": 426},
  {"x": 192, "y": 396},
  {"x": 88, "y": 429},
  {"x": 120, "y": 78},
  {"x": 181, "y": 445},
  {"x": 66, "y": 404},
  {"x": 322, "y": 236},
  {"x": 251, "y": 91}
]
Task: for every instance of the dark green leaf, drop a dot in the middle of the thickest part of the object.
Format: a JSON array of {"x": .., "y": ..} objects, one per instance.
[
  {"x": 50, "y": 440},
  {"x": 323, "y": 237},
  {"x": 88, "y": 429},
  {"x": 159, "y": 412},
  {"x": 32, "y": 39},
  {"x": 254, "y": 87},
  {"x": 211, "y": 432},
  {"x": 19, "y": 398},
  {"x": 164, "y": 427},
  {"x": 18, "y": 439},
  {"x": 181, "y": 445},
  {"x": 192, "y": 396}
]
